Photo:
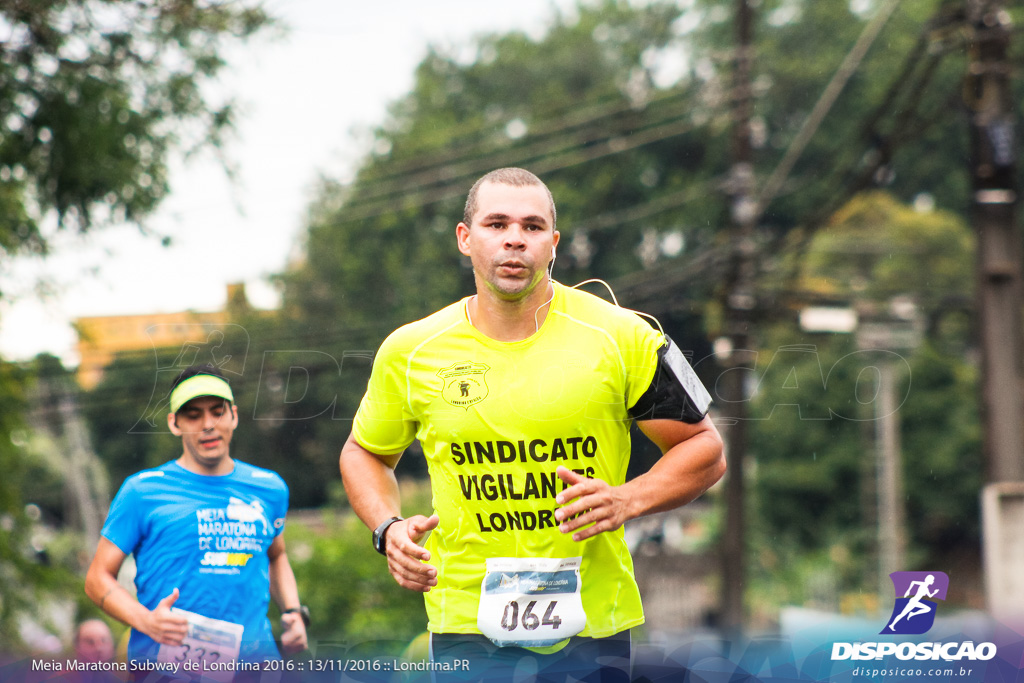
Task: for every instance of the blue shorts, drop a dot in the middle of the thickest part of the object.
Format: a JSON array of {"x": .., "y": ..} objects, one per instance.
[{"x": 590, "y": 660}]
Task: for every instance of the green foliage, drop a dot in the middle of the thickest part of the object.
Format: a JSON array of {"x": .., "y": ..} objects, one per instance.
[
  {"x": 783, "y": 574},
  {"x": 814, "y": 431},
  {"x": 943, "y": 460},
  {"x": 93, "y": 97},
  {"x": 355, "y": 597},
  {"x": 899, "y": 110},
  {"x": 16, "y": 571},
  {"x": 574, "y": 106},
  {"x": 875, "y": 248},
  {"x": 806, "y": 439},
  {"x": 129, "y": 431},
  {"x": 814, "y": 494},
  {"x": 29, "y": 574},
  {"x": 381, "y": 252},
  {"x": 40, "y": 472},
  {"x": 293, "y": 399},
  {"x": 636, "y": 161}
]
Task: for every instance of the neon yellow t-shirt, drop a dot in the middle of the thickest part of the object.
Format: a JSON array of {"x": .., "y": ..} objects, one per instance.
[{"x": 495, "y": 420}]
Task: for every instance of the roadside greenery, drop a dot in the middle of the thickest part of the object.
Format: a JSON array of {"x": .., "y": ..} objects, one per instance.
[{"x": 625, "y": 109}]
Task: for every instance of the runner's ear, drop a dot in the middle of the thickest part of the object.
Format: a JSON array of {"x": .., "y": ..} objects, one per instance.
[{"x": 172, "y": 424}]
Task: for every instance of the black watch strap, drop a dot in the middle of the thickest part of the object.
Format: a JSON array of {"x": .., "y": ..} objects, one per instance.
[
  {"x": 380, "y": 534},
  {"x": 302, "y": 610}
]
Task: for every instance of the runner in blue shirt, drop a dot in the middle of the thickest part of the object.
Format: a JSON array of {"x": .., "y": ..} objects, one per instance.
[{"x": 205, "y": 531}]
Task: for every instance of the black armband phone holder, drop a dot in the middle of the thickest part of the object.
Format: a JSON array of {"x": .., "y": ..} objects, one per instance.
[{"x": 675, "y": 393}]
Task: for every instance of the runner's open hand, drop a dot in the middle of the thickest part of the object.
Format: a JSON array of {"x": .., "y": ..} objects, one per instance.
[
  {"x": 406, "y": 557},
  {"x": 602, "y": 505},
  {"x": 163, "y": 625}
]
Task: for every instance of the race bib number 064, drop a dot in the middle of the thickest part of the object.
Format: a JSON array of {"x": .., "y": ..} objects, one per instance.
[{"x": 531, "y": 602}]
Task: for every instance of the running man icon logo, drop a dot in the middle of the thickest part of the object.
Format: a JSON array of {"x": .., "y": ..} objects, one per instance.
[{"x": 914, "y": 612}]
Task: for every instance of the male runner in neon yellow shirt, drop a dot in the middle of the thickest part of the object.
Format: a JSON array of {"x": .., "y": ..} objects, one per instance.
[{"x": 522, "y": 397}]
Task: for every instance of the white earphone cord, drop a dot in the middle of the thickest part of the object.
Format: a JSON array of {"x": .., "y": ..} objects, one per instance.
[{"x": 657, "y": 323}]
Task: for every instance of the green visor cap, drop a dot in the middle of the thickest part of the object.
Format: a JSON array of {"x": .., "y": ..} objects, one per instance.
[{"x": 199, "y": 385}]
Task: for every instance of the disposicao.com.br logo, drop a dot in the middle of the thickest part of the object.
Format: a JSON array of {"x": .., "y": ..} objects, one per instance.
[{"x": 913, "y": 613}]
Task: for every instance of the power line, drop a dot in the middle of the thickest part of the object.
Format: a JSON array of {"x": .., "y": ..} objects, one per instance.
[
  {"x": 570, "y": 117},
  {"x": 460, "y": 145},
  {"x": 484, "y": 159},
  {"x": 904, "y": 95},
  {"x": 637, "y": 212},
  {"x": 454, "y": 180},
  {"x": 540, "y": 164},
  {"x": 879, "y": 155},
  {"x": 824, "y": 104},
  {"x": 564, "y": 158}
]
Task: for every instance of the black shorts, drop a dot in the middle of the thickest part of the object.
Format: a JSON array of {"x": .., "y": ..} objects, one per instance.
[{"x": 590, "y": 660}]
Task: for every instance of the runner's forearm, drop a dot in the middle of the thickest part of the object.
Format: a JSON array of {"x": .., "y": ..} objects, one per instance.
[
  {"x": 110, "y": 596},
  {"x": 283, "y": 587},
  {"x": 685, "y": 471},
  {"x": 370, "y": 484}
]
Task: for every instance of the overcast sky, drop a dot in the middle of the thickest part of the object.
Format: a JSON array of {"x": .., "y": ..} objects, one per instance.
[{"x": 304, "y": 98}]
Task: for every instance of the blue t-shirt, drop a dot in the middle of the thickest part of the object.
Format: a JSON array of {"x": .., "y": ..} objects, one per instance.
[{"x": 208, "y": 537}]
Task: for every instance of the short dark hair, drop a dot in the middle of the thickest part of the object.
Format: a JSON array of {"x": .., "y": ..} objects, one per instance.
[
  {"x": 516, "y": 177},
  {"x": 193, "y": 370}
]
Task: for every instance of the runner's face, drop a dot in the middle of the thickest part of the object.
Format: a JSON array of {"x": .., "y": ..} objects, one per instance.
[
  {"x": 511, "y": 239},
  {"x": 94, "y": 643},
  {"x": 205, "y": 425}
]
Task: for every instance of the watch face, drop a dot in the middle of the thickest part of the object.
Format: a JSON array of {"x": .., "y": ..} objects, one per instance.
[{"x": 379, "y": 534}]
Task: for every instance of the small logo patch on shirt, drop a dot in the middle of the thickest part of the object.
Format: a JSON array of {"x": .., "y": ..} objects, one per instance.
[{"x": 465, "y": 383}]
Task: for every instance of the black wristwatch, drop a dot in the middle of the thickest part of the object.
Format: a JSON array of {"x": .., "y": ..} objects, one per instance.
[
  {"x": 381, "y": 532},
  {"x": 302, "y": 610}
]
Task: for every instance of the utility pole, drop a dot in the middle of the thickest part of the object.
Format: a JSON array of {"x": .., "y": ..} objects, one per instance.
[
  {"x": 739, "y": 305},
  {"x": 891, "y": 515},
  {"x": 87, "y": 494},
  {"x": 994, "y": 218},
  {"x": 79, "y": 479},
  {"x": 889, "y": 338}
]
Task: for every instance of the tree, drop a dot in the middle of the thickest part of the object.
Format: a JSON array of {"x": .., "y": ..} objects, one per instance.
[
  {"x": 876, "y": 248},
  {"x": 813, "y": 434},
  {"x": 898, "y": 122},
  {"x": 95, "y": 96},
  {"x": 579, "y": 106},
  {"x": 637, "y": 161},
  {"x": 574, "y": 106},
  {"x": 33, "y": 572},
  {"x": 356, "y": 599},
  {"x": 18, "y": 569},
  {"x": 128, "y": 430}
]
